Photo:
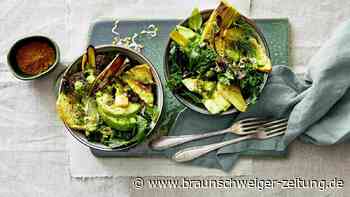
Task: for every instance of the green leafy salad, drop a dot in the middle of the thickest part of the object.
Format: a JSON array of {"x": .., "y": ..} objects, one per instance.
[
  {"x": 110, "y": 99},
  {"x": 218, "y": 63}
]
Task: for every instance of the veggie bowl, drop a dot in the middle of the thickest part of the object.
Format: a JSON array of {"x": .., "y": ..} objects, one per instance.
[
  {"x": 110, "y": 98},
  {"x": 217, "y": 61}
]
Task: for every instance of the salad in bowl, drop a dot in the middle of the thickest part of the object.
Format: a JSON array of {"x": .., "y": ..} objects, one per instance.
[
  {"x": 217, "y": 61},
  {"x": 110, "y": 98}
]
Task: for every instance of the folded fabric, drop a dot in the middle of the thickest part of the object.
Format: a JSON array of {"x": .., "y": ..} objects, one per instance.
[{"x": 317, "y": 105}]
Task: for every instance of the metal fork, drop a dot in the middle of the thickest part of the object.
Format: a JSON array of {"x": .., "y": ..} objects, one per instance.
[
  {"x": 242, "y": 127},
  {"x": 191, "y": 153}
]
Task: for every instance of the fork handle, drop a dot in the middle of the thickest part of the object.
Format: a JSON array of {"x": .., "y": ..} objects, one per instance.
[
  {"x": 165, "y": 142},
  {"x": 191, "y": 153}
]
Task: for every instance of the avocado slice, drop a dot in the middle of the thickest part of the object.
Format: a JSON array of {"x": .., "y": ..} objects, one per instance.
[
  {"x": 216, "y": 104},
  {"x": 233, "y": 95},
  {"x": 122, "y": 123},
  {"x": 199, "y": 86},
  {"x": 143, "y": 91},
  {"x": 113, "y": 109},
  {"x": 141, "y": 73}
]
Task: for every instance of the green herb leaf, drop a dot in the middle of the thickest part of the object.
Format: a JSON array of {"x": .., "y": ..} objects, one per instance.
[
  {"x": 195, "y": 21},
  {"x": 175, "y": 81},
  {"x": 200, "y": 58},
  {"x": 250, "y": 84}
]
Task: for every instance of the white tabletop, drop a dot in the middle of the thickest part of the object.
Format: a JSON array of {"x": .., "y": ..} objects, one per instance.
[{"x": 34, "y": 158}]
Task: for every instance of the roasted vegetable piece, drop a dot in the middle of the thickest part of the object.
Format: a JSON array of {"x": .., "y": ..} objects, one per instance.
[
  {"x": 233, "y": 95},
  {"x": 88, "y": 61},
  {"x": 227, "y": 14},
  {"x": 233, "y": 34},
  {"x": 262, "y": 60},
  {"x": 70, "y": 111},
  {"x": 216, "y": 104},
  {"x": 92, "y": 117},
  {"x": 220, "y": 20},
  {"x": 117, "y": 65},
  {"x": 84, "y": 61},
  {"x": 142, "y": 90},
  {"x": 104, "y": 104},
  {"x": 186, "y": 32},
  {"x": 179, "y": 39},
  {"x": 182, "y": 35},
  {"x": 91, "y": 53},
  {"x": 199, "y": 86},
  {"x": 88, "y": 66},
  {"x": 220, "y": 46},
  {"x": 141, "y": 73},
  {"x": 210, "y": 29}
]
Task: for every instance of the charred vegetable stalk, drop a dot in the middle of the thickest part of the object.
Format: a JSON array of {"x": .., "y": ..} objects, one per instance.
[
  {"x": 117, "y": 65},
  {"x": 218, "y": 63}
]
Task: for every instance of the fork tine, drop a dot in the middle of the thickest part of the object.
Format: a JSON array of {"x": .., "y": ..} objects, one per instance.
[
  {"x": 276, "y": 126},
  {"x": 276, "y": 134},
  {"x": 246, "y": 129},
  {"x": 271, "y": 132},
  {"x": 275, "y": 122},
  {"x": 255, "y": 124},
  {"x": 252, "y": 125}
]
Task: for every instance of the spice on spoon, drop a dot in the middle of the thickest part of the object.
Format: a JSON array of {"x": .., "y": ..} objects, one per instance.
[{"x": 35, "y": 57}]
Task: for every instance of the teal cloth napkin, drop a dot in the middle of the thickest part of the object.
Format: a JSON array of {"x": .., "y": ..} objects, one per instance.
[{"x": 317, "y": 105}]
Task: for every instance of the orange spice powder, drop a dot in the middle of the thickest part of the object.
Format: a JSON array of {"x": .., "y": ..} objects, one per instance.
[{"x": 35, "y": 57}]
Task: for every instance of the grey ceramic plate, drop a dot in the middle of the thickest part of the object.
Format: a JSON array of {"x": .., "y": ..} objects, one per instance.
[
  {"x": 206, "y": 14},
  {"x": 134, "y": 56}
]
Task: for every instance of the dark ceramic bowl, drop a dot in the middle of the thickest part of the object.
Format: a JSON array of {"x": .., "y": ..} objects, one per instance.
[
  {"x": 11, "y": 57},
  {"x": 133, "y": 56},
  {"x": 206, "y": 14}
]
